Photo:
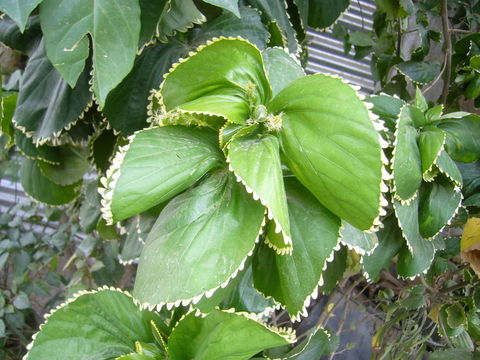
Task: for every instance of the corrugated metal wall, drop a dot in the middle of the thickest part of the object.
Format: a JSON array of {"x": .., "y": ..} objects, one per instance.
[{"x": 326, "y": 53}]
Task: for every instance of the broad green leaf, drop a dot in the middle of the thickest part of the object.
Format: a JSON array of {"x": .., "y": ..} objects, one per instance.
[
  {"x": 39, "y": 187},
  {"x": 44, "y": 153},
  {"x": 231, "y": 131},
  {"x": 113, "y": 27},
  {"x": 333, "y": 149},
  {"x": 255, "y": 162},
  {"x": 110, "y": 318},
  {"x": 439, "y": 201},
  {"x": 244, "y": 297},
  {"x": 387, "y": 108},
  {"x": 160, "y": 163},
  {"x": 222, "y": 335},
  {"x": 274, "y": 13},
  {"x": 73, "y": 165},
  {"x": 224, "y": 78},
  {"x": 281, "y": 68},
  {"x": 320, "y": 14},
  {"x": 362, "y": 242},
  {"x": 420, "y": 72},
  {"x": 334, "y": 271},
  {"x": 230, "y": 5},
  {"x": 463, "y": 137},
  {"x": 126, "y": 105},
  {"x": 430, "y": 143},
  {"x": 407, "y": 167},
  {"x": 390, "y": 241},
  {"x": 293, "y": 280},
  {"x": 316, "y": 344},
  {"x": 193, "y": 262},
  {"x": 26, "y": 41},
  {"x": 417, "y": 254},
  {"x": 448, "y": 167},
  {"x": 180, "y": 16},
  {"x": 19, "y": 10},
  {"x": 249, "y": 27},
  {"x": 45, "y": 116},
  {"x": 137, "y": 231},
  {"x": 101, "y": 149},
  {"x": 89, "y": 212}
]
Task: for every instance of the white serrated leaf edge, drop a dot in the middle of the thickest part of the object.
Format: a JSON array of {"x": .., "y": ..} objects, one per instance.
[
  {"x": 208, "y": 293},
  {"x": 394, "y": 185},
  {"x": 71, "y": 300},
  {"x": 278, "y": 227}
]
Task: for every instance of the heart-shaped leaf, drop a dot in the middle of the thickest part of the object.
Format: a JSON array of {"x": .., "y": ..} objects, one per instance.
[
  {"x": 112, "y": 320},
  {"x": 156, "y": 165},
  {"x": 334, "y": 150},
  {"x": 223, "y": 335},
  {"x": 224, "y": 78},
  {"x": 407, "y": 166},
  {"x": 193, "y": 262},
  {"x": 293, "y": 280},
  {"x": 113, "y": 27},
  {"x": 263, "y": 178}
]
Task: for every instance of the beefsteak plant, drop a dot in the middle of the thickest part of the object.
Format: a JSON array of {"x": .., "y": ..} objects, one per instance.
[{"x": 255, "y": 159}]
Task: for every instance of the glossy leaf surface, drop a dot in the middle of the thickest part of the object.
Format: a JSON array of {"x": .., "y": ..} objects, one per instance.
[
  {"x": 315, "y": 231},
  {"x": 332, "y": 149},
  {"x": 262, "y": 177},
  {"x": 221, "y": 335},
  {"x": 192, "y": 260},
  {"x": 111, "y": 319},
  {"x": 216, "y": 79},
  {"x": 321, "y": 14},
  {"x": 114, "y": 28},
  {"x": 44, "y": 116},
  {"x": 160, "y": 163}
]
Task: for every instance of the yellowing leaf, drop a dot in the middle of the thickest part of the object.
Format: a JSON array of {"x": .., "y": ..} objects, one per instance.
[{"x": 470, "y": 244}]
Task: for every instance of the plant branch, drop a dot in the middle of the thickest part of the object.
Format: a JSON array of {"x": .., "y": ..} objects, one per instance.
[{"x": 448, "y": 51}]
